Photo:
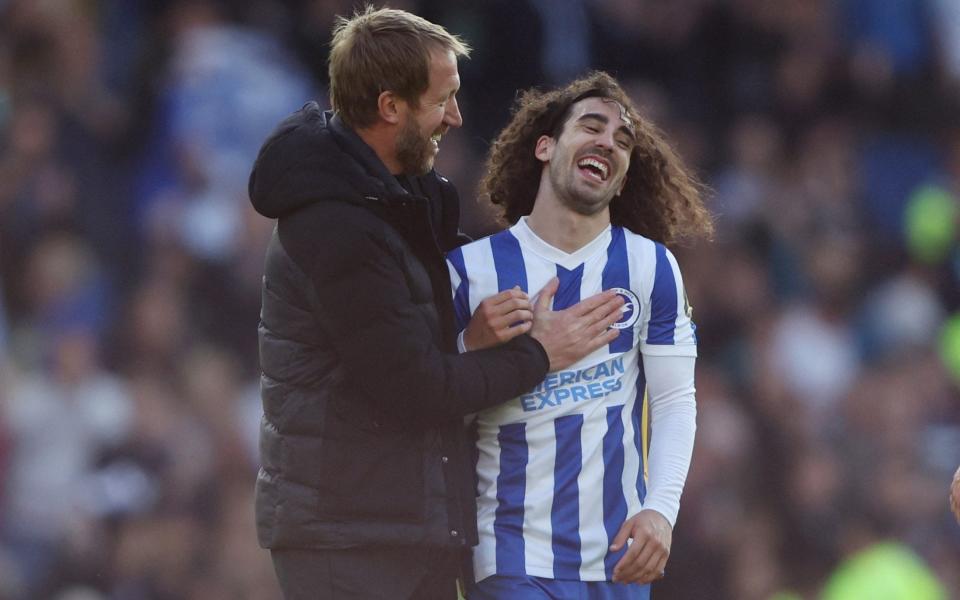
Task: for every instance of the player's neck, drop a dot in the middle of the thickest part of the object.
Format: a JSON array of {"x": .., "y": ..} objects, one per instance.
[{"x": 563, "y": 228}]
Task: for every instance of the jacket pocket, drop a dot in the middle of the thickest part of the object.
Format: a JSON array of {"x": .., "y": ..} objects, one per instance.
[{"x": 371, "y": 474}]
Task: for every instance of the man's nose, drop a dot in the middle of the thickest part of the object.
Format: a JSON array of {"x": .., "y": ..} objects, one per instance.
[
  {"x": 452, "y": 116},
  {"x": 605, "y": 140}
]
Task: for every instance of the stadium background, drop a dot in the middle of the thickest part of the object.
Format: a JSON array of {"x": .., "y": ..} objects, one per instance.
[{"x": 130, "y": 264}]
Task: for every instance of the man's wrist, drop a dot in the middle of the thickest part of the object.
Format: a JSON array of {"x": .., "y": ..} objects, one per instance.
[{"x": 660, "y": 512}]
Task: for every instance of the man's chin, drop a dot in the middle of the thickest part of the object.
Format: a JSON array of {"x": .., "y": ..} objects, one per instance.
[
  {"x": 589, "y": 206},
  {"x": 426, "y": 166},
  {"x": 424, "y": 169},
  {"x": 420, "y": 167}
]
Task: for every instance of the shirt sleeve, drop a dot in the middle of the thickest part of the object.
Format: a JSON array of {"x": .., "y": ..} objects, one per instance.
[
  {"x": 673, "y": 420},
  {"x": 460, "y": 288},
  {"x": 669, "y": 330}
]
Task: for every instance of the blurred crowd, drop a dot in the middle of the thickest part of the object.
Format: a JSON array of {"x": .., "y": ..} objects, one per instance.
[{"x": 130, "y": 262}]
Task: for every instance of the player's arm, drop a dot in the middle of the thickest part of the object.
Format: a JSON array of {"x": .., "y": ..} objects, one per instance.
[
  {"x": 669, "y": 354},
  {"x": 383, "y": 338},
  {"x": 566, "y": 335},
  {"x": 498, "y": 318},
  {"x": 670, "y": 386}
]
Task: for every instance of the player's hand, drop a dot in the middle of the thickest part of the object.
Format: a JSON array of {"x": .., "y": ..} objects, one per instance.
[
  {"x": 646, "y": 558},
  {"x": 498, "y": 319},
  {"x": 955, "y": 495},
  {"x": 570, "y": 334}
]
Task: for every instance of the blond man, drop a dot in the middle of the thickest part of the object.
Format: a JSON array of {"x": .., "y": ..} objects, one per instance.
[{"x": 366, "y": 489}]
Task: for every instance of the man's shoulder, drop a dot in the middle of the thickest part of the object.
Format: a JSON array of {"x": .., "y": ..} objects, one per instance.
[
  {"x": 488, "y": 239},
  {"x": 334, "y": 219},
  {"x": 640, "y": 249},
  {"x": 334, "y": 230},
  {"x": 636, "y": 238},
  {"x": 330, "y": 239},
  {"x": 302, "y": 165}
]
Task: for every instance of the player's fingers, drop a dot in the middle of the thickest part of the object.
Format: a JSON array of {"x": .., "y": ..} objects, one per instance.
[
  {"x": 661, "y": 567},
  {"x": 649, "y": 565},
  {"x": 601, "y": 329},
  {"x": 519, "y": 316},
  {"x": 514, "y": 293},
  {"x": 519, "y": 330},
  {"x": 517, "y": 292},
  {"x": 511, "y": 327},
  {"x": 623, "y": 570},
  {"x": 633, "y": 550},
  {"x": 499, "y": 302},
  {"x": 505, "y": 313},
  {"x": 633, "y": 564},
  {"x": 590, "y": 304},
  {"x": 545, "y": 297},
  {"x": 606, "y": 336},
  {"x": 621, "y": 538},
  {"x": 602, "y": 325},
  {"x": 606, "y": 313},
  {"x": 510, "y": 319},
  {"x": 512, "y": 304},
  {"x": 614, "y": 310},
  {"x": 598, "y": 341},
  {"x": 650, "y": 573}
]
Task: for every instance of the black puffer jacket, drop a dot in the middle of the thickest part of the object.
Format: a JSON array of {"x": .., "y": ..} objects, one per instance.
[{"x": 363, "y": 392}]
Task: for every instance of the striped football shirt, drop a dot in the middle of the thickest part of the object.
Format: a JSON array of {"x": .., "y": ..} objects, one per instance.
[{"x": 561, "y": 467}]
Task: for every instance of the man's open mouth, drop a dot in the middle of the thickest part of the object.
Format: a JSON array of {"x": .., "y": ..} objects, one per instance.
[{"x": 594, "y": 168}]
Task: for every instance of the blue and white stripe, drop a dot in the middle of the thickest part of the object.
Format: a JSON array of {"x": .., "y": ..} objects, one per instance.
[{"x": 560, "y": 469}]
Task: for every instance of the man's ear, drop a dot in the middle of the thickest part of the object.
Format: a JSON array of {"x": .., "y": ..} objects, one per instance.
[
  {"x": 544, "y": 148},
  {"x": 623, "y": 184},
  {"x": 390, "y": 107}
]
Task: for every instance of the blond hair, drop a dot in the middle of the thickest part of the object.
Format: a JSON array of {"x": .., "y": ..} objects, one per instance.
[{"x": 380, "y": 50}]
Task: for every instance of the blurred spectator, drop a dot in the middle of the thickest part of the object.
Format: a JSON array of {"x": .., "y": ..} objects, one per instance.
[
  {"x": 901, "y": 316},
  {"x": 225, "y": 87},
  {"x": 884, "y": 571},
  {"x": 746, "y": 184},
  {"x": 60, "y": 418},
  {"x": 946, "y": 20},
  {"x": 813, "y": 346}
]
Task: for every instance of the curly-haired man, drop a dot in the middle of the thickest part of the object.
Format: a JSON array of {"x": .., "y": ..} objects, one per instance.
[{"x": 593, "y": 192}]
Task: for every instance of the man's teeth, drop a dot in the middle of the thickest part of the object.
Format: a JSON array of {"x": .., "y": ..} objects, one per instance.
[{"x": 596, "y": 164}]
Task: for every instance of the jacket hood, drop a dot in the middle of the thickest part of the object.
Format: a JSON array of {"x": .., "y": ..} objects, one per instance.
[{"x": 313, "y": 157}]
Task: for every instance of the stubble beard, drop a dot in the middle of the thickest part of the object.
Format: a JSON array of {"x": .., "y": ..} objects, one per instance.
[
  {"x": 414, "y": 152},
  {"x": 583, "y": 202}
]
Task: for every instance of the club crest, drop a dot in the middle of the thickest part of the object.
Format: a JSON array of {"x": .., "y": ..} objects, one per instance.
[{"x": 631, "y": 308}]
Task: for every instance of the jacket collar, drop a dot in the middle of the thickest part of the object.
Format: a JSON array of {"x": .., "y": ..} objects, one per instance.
[{"x": 354, "y": 145}]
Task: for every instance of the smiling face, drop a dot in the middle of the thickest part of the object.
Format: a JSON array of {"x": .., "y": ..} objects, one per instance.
[
  {"x": 419, "y": 136},
  {"x": 586, "y": 165}
]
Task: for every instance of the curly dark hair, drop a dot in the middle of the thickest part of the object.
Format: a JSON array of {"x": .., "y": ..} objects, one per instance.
[{"x": 661, "y": 200}]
